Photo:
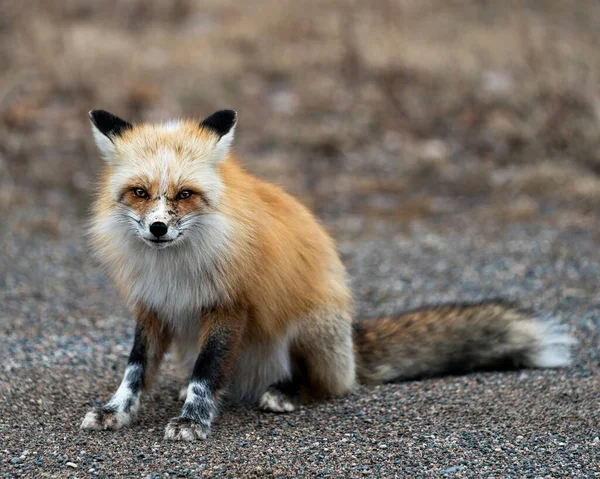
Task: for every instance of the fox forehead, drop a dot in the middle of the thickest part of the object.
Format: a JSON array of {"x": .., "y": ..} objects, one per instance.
[
  {"x": 183, "y": 138},
  {"x": 166, "y": 158}
]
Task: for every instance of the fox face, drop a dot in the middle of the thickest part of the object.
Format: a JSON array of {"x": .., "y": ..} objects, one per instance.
[{"x": 163, "y": 180}]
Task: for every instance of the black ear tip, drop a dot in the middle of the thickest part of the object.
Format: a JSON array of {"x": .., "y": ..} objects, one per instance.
[
  {"x": 99, "y": 118},
  {"x": 100, "y": 113},
  {"x": 108, "y": 123},
  {"x": 221, "y": 122},
  {"x": 233, "y": 113},
  {"x": 230, "y": 115},
  {"x": 93, "y": 114}
]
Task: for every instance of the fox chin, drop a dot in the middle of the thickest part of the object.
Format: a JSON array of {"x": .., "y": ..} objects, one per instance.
[{"x": 245, "y": 285}]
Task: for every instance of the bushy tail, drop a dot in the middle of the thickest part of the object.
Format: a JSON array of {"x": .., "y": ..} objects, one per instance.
[{"x": 455, "y": 339}]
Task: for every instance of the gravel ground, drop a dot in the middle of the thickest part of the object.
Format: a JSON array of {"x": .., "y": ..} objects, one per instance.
[
  {"x": 66, "y": 336},
  {"x": 452, "y": 150}
]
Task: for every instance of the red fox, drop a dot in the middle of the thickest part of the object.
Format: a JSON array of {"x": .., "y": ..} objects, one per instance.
[{"x": 246, "y": 285}]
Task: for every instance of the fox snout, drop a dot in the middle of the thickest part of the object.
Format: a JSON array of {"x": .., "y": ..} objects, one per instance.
[
  {"x": 158, "y": 229},
  {"x": 160, "y": 226}
]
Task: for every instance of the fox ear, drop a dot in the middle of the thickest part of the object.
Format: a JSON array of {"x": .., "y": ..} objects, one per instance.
[
  {"x": 223, "y": 124},
  {"x": 106, "y": 128}
]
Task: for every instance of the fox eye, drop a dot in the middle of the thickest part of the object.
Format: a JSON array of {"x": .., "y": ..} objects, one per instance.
[
  {"x": 140, "y": 193},
  {"x": 184, "y": 195}
]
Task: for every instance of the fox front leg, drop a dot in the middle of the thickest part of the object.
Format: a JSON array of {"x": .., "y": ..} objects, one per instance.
[
  {"x": 219, "y": 349},
  {"x": 149, "y": 345}
]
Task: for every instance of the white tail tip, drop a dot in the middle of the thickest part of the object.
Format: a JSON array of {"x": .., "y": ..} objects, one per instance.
[{"x": 555, "y": 345}]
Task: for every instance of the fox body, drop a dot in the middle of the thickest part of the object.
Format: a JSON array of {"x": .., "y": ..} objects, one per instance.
[{"x": 246, "y": 286}]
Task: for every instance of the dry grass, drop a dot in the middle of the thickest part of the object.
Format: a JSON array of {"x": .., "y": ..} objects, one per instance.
[{"x": 405, "y": 109}]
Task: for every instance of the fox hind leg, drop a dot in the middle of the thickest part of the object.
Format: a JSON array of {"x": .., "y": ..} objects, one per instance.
[{"x": 325, "y": 356}]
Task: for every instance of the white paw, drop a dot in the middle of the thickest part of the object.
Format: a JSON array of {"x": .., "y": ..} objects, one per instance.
[
  {"x": 184, "y": 429},
  {"x": 105, "y": 419},
  {"x": 275, "y": 402}
]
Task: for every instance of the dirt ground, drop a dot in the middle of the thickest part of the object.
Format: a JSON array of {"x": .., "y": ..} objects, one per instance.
[{"x": 451, "y": 148}]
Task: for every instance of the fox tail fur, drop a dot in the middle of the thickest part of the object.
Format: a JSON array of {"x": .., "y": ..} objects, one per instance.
[{"x": 457, "y": 339}]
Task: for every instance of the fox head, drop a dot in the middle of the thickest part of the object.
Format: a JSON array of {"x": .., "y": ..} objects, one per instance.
[{"x": 163, "y": 181}]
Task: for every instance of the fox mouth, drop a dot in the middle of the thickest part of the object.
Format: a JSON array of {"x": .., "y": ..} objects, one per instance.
[
  {"x": 160, "y": 242},
  {"x": 157, "y": 242}
]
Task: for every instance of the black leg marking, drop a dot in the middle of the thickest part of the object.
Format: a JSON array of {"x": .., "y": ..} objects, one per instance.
[
  {"x": 120, "y": 411},
  {"x": 138, "y": 360},
  {"x": 207, "y": 382}
]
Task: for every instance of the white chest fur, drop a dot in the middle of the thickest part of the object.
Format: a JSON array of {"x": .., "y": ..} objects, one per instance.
[
  {"x": 181, "y": 281},
  {"x": 174, "y": 288}
]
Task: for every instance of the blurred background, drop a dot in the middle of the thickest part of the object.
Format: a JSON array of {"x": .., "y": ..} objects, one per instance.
[
  {"x": 452, "y": 148},
  {"x": 377, "y": 114}
]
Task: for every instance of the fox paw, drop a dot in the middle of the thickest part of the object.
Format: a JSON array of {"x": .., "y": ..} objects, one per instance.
[
  {"x": 105, "y": 419},
  {"x": 275, "y": 401},
  {"x": 184, "y": 429}
]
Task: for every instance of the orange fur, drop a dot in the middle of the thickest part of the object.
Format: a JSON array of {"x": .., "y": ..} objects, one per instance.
[
  {"x": 260, "y": 275},
  {"x": 283, "y": 264}
]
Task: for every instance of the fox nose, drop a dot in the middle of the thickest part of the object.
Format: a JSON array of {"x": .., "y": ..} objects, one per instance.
[{"x": 159, "y": 229}]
